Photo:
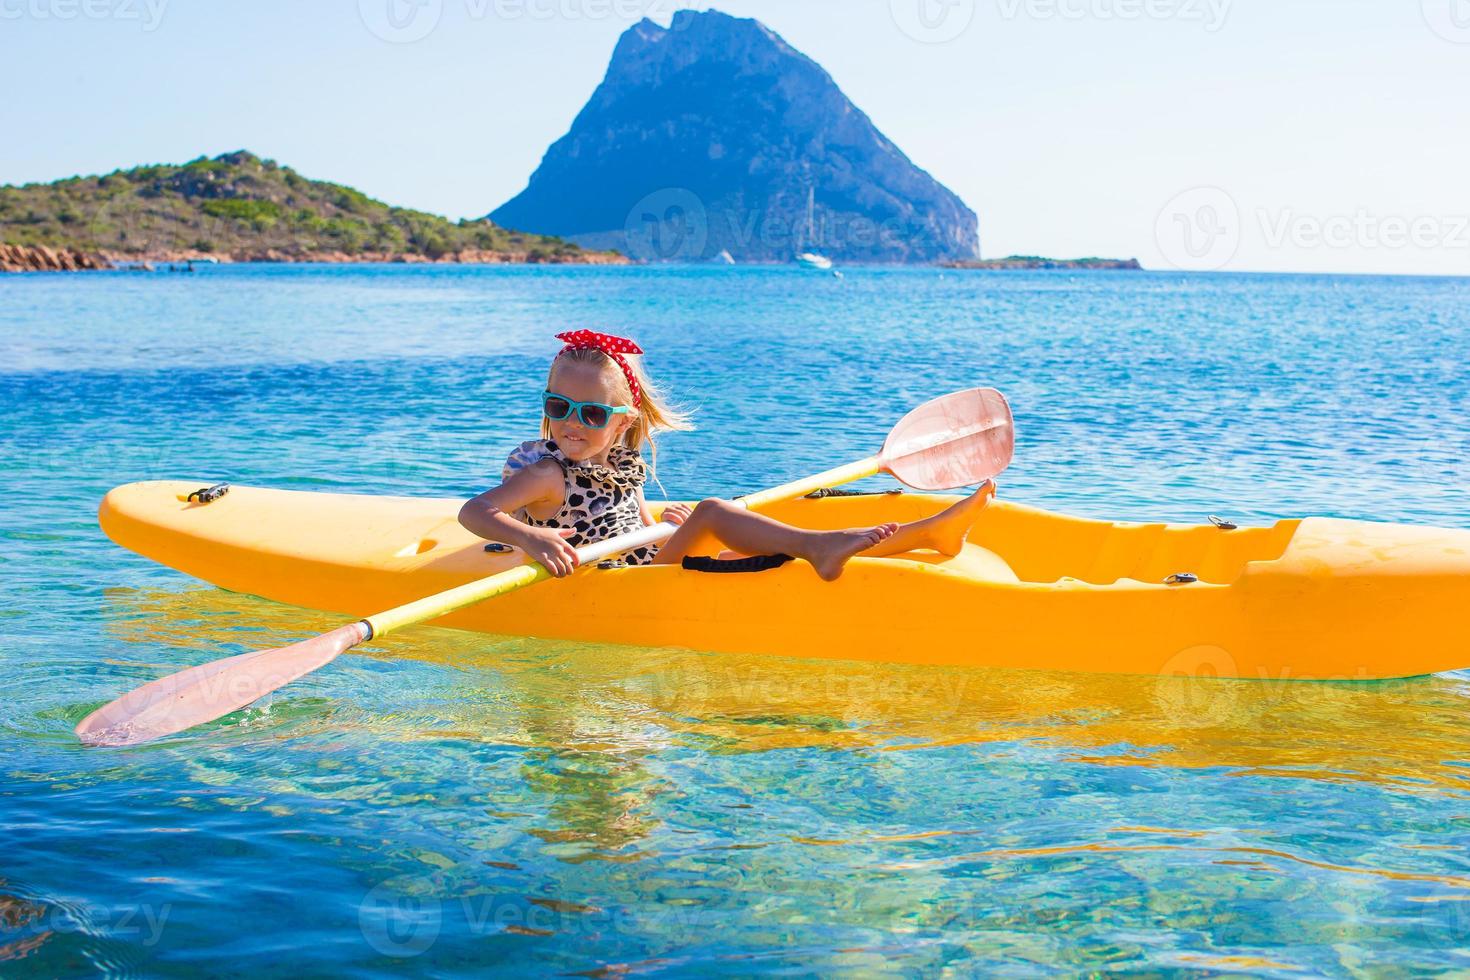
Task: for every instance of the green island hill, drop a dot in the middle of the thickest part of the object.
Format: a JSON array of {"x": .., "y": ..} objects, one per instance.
[{"x": 238, "y": 207}]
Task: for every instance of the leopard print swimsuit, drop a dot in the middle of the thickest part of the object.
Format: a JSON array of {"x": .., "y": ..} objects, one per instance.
[{"x": 599, "y": 500}]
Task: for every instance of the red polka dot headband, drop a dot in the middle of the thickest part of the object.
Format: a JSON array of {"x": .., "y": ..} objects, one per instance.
[{"x": 613, "y": 347}]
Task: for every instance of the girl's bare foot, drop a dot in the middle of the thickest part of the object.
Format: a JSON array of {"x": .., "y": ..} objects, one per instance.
[
  {"x": 830, "y": 550},
  {"x": 945, "y": 532}
]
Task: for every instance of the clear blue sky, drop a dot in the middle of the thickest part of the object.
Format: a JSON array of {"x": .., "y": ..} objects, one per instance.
[{"x": 1325, "y": 135}]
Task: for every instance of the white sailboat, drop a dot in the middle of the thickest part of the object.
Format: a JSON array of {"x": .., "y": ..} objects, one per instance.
[{"x": 812, "y": 260}]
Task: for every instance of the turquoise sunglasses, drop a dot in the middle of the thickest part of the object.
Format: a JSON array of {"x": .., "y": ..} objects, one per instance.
[{"x": 594, "y": 415}]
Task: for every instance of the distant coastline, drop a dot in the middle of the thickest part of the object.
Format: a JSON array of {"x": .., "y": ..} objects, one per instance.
[
  {"x": 44, "y": 258},
  {"x": 238, "y": 207},
  {"x": 1018, "y": 262}
]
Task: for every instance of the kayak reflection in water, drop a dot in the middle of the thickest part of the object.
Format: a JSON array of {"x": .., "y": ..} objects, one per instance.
[{"x": 582, "y": 482}]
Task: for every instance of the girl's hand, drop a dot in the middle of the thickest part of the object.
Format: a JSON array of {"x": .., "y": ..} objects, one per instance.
[
  {"x": 676, "y": 513},
  {"x": 548, "y": 546}
]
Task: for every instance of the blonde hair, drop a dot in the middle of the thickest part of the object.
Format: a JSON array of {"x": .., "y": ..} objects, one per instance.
[{"x": 653, "y": 412}]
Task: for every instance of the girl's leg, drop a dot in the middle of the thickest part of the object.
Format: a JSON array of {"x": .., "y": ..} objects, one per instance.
[
  {"x": 944, "y": 532},
  {"x": 717, "y": 524}
]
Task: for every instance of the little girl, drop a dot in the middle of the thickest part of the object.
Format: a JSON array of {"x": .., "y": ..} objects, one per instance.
[{"x": 582, "y": 482}]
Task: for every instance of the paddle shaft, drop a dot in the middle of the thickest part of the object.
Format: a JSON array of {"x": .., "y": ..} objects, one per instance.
[
  {"x": 834, "y": 477},
  {"x": 443, "y": 603},
  {"x": 452, "y": 600}
]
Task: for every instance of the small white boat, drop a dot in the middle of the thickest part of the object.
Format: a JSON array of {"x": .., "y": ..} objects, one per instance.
[{"x": 812, "y": 260}]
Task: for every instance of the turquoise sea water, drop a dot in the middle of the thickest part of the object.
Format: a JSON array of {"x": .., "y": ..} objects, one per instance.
[{"x": 450, "y": 802}]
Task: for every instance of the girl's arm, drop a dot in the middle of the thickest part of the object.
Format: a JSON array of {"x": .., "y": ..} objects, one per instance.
[{"x": 489, "y": 516}]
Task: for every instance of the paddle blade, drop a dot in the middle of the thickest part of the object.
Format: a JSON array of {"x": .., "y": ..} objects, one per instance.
[
  {"x": 200, "y": 694},
  {"x": 957, "y": 440}
]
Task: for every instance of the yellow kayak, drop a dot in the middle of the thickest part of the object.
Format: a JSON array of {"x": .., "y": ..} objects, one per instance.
[{"x": 1316, "y": 598}]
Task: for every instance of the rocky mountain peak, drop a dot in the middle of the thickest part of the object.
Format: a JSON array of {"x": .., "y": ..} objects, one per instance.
[{"x": 714, "y": 134}]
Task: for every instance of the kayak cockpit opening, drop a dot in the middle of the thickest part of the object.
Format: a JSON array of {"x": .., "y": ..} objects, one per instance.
[{"x": 1042, "y": 547}]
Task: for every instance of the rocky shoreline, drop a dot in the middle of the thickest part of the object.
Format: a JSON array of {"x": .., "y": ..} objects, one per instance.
[
  {"x": 39, "y": 258},
  {"x": 464, "y": 257}
]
